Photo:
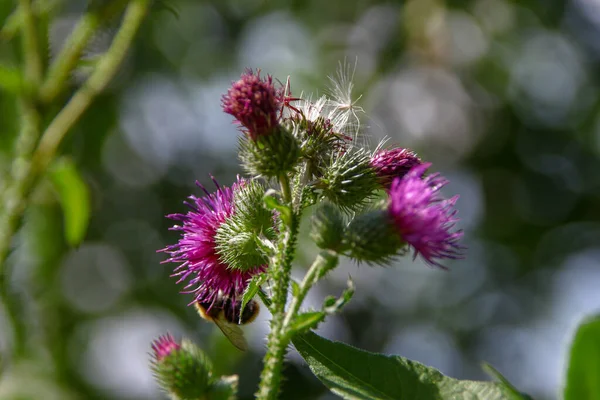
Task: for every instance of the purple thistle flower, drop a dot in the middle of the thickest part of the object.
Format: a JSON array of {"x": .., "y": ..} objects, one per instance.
[
  {"x": 393, "y": 163},
  {"x": 197, "y": 251},
  {"x": 422, "y": 218},
  {"x": 163, "y": 346},
  {"x": 254, "y": 102}
]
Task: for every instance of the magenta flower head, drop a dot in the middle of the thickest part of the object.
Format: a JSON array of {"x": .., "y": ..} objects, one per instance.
[
  {"x": 198, "y": 250},
  {"x": 163, "y": 346},
  {"x": 254, "y": 102},
  {"x": 393, "y": 163},
  {"x": 423, "y": 219}
]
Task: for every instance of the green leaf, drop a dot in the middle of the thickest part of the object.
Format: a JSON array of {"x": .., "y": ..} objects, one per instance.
[
  {"x": 252, "y": 289},
  {"x": 285, "y": 213},
  {"x": 74, "y": 197},
  {"x": 584, "y": 367},
  {"x": 510, "y": 388},
  {"x": 295, "y": 288},
  {"x": 306, "y": 321},
  {"x": 352, "y": 373}
]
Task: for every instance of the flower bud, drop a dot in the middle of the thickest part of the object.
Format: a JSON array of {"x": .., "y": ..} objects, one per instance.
[
  {"x": 327, "y": 227},
  {"x": 270, "y": 155},
  {"x": 371, "y": 238},
  {"x": 349, "y": 181},
  {"x": 236, "y": 238},
  {"x": 318, "y": 142},
  {"x": 255, "y": 103},
  {"x": 182, "y": 370},
  {"x": 393, "y": 163}
]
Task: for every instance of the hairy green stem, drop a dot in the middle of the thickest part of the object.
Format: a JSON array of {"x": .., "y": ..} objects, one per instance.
[
  {"x": 270, "y": 379},
  {"x": 74, "y": 46}
]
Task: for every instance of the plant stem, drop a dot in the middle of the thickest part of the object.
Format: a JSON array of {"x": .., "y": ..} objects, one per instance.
[
  {"x": 10, "y": 216},
  {"x": 102, "y": 75},
  {"x": 12, "y": 206},
  {"x": 310, "y": 278},
  {"x": 270, "y": 379},
  {"x": 14, "y": 22},
  {"x": 286, "y": 192},
  {"x": 277, "y": 342},
  {"x": 73, "y": 47},
  {"x": 33, "y": 61}
]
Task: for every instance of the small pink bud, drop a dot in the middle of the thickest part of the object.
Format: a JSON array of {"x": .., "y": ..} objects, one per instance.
[{"x": 163, "y": 346}]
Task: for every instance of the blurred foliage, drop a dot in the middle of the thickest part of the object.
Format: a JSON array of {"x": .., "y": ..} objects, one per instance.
[
  {"x": 584, "y": 363},
  {"x": 500, "y": 95}
]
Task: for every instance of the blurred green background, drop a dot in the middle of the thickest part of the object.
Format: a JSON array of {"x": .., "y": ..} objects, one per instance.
[{"x": 502, "y": 97}]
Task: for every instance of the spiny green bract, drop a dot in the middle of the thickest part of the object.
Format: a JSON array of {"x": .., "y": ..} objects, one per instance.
[
  {"x": 349, "y": 182},
  {"x": 237, "y": 237},
  {"x": 318, "y": 142},
  {"x": 249, "y": 207},
  {"x": 270, "y": 155},
  {"x": 328, "y": 226},
  {"x": 371, "y": 238},
  {"x": 223, "y": 389},
  {"x": 186, "y": 373}
]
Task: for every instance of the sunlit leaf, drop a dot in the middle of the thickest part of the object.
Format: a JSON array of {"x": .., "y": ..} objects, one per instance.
[
  {"x": 306, "y": 321},
  {"x": 352, "y": 373},
  {"x": 285, "y": 213},
  {"x": 510, "y": 388},
  {"x": 583, "y": 375},
  {"x": 252, "y": 289},
  {"x": 295, "y": 288},
  {"x": 74, "y": 197}
]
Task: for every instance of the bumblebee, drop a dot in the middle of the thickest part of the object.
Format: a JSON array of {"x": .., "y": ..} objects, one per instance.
[{"x": 225, "y": 313}]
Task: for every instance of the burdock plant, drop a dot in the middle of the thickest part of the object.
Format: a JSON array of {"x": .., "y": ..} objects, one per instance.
[{"x": 238, "y": 243}]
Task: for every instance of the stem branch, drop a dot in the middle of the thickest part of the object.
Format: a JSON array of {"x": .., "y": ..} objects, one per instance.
[
  {"x": 33, "y": 61},
  {"x": 73, "y": 47},
  {"x": 102, "y": 75},
  {"x": 308, "y": 281}
]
